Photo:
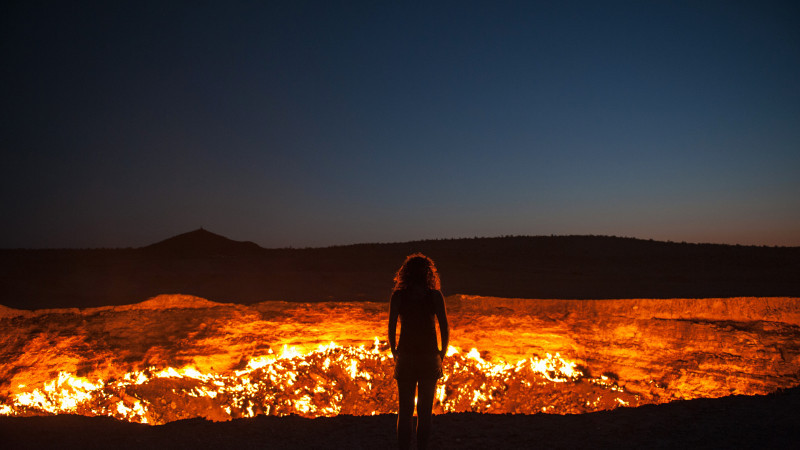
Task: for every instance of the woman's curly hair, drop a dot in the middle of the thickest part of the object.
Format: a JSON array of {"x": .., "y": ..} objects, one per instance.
[{"x": 417, "y": 270}]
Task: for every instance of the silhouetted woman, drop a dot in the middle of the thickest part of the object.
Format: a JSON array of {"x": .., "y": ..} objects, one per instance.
[{"x": 418, "y": 302}]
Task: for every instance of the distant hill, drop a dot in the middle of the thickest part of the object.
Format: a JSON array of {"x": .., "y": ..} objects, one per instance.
[
  {"x": 207, "y": 265},
  {"x": 202, "y": 243}
]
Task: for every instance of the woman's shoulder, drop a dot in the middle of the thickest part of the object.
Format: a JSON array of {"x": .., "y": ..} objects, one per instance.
[
  {"x": 433, "y": 293},
  {"x": 399, "y": 294},
  {"x": 409, "y": 292},
  {"x": 436, "y": 294}
]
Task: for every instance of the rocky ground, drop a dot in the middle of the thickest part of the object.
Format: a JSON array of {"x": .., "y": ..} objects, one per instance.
[
  {"x": 657, "y": 350},
  {"x": 731, "y": 422}
]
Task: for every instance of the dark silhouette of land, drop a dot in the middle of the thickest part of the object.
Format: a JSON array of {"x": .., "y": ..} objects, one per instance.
[
  {"x": 768, "y": 421},
  {"x": 207, "y": 265}
]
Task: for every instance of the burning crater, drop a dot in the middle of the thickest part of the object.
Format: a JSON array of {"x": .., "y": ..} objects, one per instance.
[{"x": 175, "y": 357}]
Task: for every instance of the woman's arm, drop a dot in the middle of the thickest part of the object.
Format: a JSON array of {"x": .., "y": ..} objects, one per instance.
[
  {"x": 393, "y": 312},
  {"x": 444, "y": 328}
]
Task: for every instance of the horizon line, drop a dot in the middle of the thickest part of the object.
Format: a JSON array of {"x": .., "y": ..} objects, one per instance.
[{"x": 507, "y": 236}]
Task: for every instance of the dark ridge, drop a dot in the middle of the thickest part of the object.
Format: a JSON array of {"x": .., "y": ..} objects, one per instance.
[
  {"x": 202, "y": 243},
  {"x": 207, "y": 265}
]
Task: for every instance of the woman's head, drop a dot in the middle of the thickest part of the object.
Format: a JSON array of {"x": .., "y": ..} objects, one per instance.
[{"x": 417, "y": 270}]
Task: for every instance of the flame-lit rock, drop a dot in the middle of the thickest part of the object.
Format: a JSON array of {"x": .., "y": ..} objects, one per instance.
[{"x": 175, "y": 357}]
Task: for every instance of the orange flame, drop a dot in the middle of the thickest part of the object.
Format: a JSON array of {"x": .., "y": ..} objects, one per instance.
[{"x": 327, "y": 381}]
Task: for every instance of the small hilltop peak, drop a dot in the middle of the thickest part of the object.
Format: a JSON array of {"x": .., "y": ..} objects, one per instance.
[{"x": 203, "y": 243}]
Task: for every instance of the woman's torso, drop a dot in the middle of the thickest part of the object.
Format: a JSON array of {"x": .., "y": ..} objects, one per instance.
[{"x": 417, "y": 314}]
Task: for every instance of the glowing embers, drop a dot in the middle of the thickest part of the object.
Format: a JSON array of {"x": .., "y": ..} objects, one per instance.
[
  {"x": 327, "y": 381},
  {"x": 551, "y": 384},
  {"x": 75, "y": 395},
  {"x": 63, "y": 394}
]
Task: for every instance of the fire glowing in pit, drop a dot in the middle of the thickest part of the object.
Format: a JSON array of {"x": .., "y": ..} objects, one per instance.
[
  {"x": 328, "y": 381},
  {"x": 178, "y": 357}
]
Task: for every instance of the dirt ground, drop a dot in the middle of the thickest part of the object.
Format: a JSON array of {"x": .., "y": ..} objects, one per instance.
[{"x": 769, "y": 421}]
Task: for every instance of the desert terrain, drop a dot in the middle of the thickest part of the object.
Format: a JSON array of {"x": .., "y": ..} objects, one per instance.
[
  {"x": 282, "y": 350},
  {"x": 219, "y": 269}
]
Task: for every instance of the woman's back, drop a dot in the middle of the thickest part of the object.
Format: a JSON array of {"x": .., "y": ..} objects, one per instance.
[
  {"x": 418, "y": 304},
  {"x": 417, "y": 311}
]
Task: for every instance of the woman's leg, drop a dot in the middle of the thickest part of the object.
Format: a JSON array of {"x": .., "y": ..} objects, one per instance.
[
  {"x": 427, "y": 389},
  {"x": 405, "y": 420}
]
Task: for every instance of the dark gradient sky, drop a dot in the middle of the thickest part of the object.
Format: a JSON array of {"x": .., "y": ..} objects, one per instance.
[{"x": 317, "y": 123}]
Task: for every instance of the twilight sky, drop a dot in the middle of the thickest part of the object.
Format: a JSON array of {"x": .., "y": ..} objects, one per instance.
[{"x": 321, "y": 123}]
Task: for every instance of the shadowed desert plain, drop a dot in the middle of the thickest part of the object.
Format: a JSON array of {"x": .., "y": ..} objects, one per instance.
[
  {"x": 558, "y": 342},
  {"x": 210, "y": 266}
]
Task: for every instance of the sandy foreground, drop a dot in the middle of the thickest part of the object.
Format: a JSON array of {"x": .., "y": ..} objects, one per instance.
[{"x": 770, "y": 421}]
